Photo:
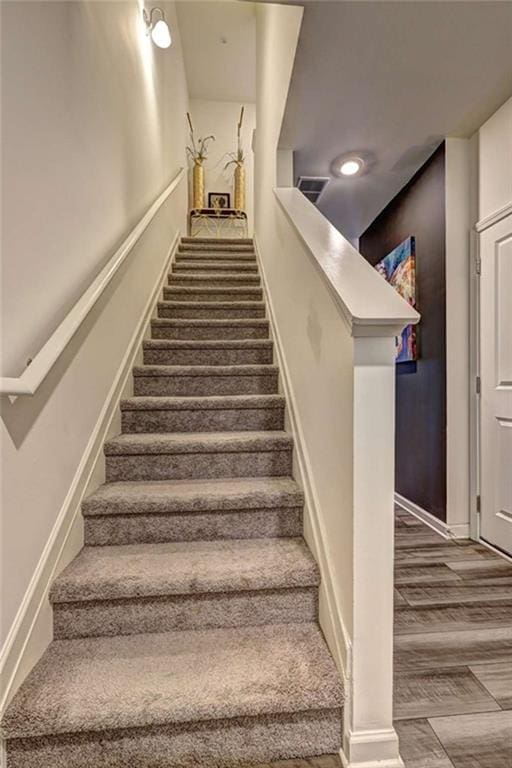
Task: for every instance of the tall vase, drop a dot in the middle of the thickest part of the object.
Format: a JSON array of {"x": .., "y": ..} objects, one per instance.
[
  {"x": 240, "y": 187},
  {"x": 198, "y": 185}
]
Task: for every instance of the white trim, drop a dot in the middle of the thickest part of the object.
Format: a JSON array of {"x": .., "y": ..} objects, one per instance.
[
  {"x": 31, "y": 629},
  {"x": 370, "y": 306},
  {"x": 368, "y": 749},
  {"x": 474, "y": 398},
  {"x": 369, "y": 734},
  {"x": 393, "y": 763},
  {"x": 458, "y": 214},
  {"x": 496, "y": 551},
  {"x": 494, "y": 217},
  {"x": 28, "y": 382},
  {"x": 342, "y": 650},
  {"x": 443, "y": 529}
]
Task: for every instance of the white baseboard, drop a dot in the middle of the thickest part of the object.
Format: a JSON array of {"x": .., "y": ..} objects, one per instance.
[
  {"x": 443, "y": 529},
  {"x": 496, "y": 551},
  {"x": 330, "y": 616},
  {"x": 31, "y": 631},
  {"x": 371, "y": 749},
  {"x": 397, "y": 763}
]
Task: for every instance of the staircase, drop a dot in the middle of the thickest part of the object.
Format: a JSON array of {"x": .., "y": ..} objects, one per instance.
[{"x": 186, "y": 630}]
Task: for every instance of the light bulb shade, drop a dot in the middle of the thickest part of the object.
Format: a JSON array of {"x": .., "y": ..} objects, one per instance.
[
  {"x": 161, "y": 34},
  {"x": 351, "y": 167}
]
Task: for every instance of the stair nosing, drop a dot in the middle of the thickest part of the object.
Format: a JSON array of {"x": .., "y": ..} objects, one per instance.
[
  {"x": 232, "y": 263},
  {"x": 25, "y": 720},
  {"x": 190, "y": 239},
  {"x": 236, "y": 276},
  {"x": 211, "y": 248},
  {"x": 233, "y": 289},
  {"x": 209, "y": 304},
  {"x": 207, "y": 343},
  {"x": 291, "y": 566},
  {"x": 206, "y": 402},
  {"x": 262, "y": 369},
  {"x": 202, "y": 322},
  {"x": 230, "y": 495},
  {"x": 193, "y": 443}
]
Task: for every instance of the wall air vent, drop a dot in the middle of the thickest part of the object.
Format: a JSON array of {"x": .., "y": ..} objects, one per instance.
[{"x": 312, "y": 186}]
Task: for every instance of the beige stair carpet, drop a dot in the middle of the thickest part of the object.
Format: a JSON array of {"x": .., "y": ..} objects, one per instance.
[{"x": 186, "y": 632}]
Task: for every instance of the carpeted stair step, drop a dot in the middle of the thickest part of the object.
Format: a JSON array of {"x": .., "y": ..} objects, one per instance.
[
  {"x": 214, "y": 280},
  {"x": 188, "y": 510},
  {"x": 218, "y": 698},
  {"x": 229, "y": 352},
  {"x": 197, "y": 310},
  {"x": 218, "y": 240},
  {"x": 215, "y": 265},
  {"x": 247, "y": 257},
  {"x": 216, "y": 247},
  {"x": 175, "y": 328},
  {"x": 157, "y": 456},
  {"x": 230, "y": 293},
  {"x": 184, "y": 585},
  {"x": 202, "y": 414},
  {"x": 190, "y": 380}
]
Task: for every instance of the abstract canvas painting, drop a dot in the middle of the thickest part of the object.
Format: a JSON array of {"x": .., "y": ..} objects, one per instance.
[{"x": 399, "y": 269}]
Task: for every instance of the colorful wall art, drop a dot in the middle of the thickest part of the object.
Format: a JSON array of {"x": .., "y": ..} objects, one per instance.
[{"x": 399, "y": 269}]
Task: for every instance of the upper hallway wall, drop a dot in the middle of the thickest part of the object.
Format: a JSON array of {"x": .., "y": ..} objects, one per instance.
[{"x": 93, "y": 129}]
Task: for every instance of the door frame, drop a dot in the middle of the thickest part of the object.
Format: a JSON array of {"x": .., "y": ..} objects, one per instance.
[
  {"x": 475, "y": 371},
  {"x": 474, "y": 378}
]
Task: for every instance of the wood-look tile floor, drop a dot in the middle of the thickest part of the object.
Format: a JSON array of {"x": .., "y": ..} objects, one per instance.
[{"x": 453, "y": 651}]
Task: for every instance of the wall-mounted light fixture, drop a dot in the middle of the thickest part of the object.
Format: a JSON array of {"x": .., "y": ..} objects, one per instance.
[{"x": 159, "y": 32}]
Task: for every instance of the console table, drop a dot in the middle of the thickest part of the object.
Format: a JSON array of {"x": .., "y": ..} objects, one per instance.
[{"x": 217, "y": 222}]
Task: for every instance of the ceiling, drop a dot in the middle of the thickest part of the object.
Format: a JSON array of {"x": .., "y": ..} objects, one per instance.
[
  {"x": 389, "y": 80},
  {"x": 219, "y": 48}
]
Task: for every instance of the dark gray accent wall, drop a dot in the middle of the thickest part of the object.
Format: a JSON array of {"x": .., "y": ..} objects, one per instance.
[{"x": 419, "y": 210}]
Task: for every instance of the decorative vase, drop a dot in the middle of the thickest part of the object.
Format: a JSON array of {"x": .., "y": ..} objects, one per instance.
[
  {"x": 198, "y": 185},
  {"x": 240, "y": 187}
]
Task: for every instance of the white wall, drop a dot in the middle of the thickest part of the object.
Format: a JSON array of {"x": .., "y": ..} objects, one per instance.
[
  {"x": 93, "y": 122},
  {"x": 308, "y": 324},
  {"x": 284, "y": 171},
  {"x": 495, "y": 162},
  {"x": 277, "y": 30},
  {"x": 93, "y": 128},
  {"x": 220, "y": 118}
]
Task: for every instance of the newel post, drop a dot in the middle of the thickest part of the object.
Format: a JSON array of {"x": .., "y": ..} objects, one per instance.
[{"x": 369, "y": 738}]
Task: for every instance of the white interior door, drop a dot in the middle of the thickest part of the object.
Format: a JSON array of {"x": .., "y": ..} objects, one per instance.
[{"x": 496, "y": 384}]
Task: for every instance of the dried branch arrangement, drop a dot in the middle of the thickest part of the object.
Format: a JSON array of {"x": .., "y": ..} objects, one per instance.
[{"x": 197, "y": 152}]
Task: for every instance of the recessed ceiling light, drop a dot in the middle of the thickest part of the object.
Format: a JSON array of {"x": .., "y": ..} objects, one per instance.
[{"x": 351, "y": 167}]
